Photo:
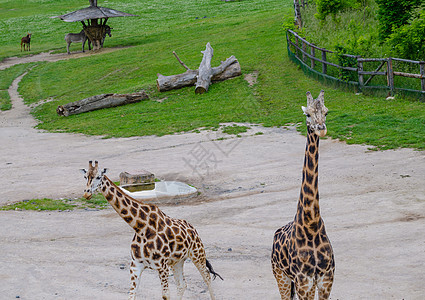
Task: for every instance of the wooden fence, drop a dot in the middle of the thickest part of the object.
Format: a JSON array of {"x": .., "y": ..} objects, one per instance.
[{"x": 311, "y": 55}]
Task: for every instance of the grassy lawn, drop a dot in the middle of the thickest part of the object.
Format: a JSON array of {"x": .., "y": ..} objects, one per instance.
[
  {"x": 96, "y": 202},
  {"x": 250, "y": 30},
  {"x": 6, "y": 78}
]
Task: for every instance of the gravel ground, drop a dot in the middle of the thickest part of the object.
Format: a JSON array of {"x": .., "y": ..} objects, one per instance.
[{"x": 373, "y": 204}]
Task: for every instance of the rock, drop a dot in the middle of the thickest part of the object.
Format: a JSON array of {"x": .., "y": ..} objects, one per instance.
[{"x": 140, "y": 177}]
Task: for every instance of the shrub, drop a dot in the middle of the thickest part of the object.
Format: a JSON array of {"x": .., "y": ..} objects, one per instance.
[
  {"x": 408, "y": 41},
  {"x": 328, "y": 7},
  {"x": 393, "y": 14},
  {"x": 346, "y": 61}
]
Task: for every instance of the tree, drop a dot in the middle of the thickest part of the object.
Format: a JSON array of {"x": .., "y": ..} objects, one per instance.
[
  {"x": 408, "y": 41},
  {"x": 328, "y": 7},
  {"x": 394, "y": 13}
]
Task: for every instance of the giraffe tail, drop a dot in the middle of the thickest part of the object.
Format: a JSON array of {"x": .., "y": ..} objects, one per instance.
[
  {"x": 292, "y": 290},
  {"x": 211, "y": 270}
]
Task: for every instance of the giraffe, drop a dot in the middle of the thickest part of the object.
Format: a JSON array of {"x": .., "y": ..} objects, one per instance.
[
  {"x": 159, "y": 243},
  {"x": 302, "y": 256}
]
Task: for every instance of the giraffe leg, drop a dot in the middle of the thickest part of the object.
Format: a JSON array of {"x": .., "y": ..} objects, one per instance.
[
  {"x": 311, "y": 293},
  {"x": 305, "y": 288},
  {"x": 283, "y": 283},
  {"x": 201, "y": 264},
  {"x": 136, "y": 269},
  {"x": 163, "y": 276},
  {"x": 325, "y": 287},
  {"x": 179, "y": 278}
]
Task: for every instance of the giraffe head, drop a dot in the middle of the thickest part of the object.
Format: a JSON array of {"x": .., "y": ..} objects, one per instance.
[
  {"x": 315, "y": 113},
  {"x": 94, "y": 178}
]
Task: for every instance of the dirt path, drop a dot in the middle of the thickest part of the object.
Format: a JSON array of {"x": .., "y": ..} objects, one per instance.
[
  {"x": 51, "y": 57},
  {"x": 373, "y": 204}
]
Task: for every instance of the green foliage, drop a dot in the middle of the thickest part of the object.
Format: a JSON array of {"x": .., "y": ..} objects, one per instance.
[
  {"x": 394, "y": 13},
  {"x": 346, "y": 61},
  {"x": 408, "y": 41},
  {"x": 328, "y": 7},
  {"x": 288, "y": 22},
  {"x": 356, "y": 31}
]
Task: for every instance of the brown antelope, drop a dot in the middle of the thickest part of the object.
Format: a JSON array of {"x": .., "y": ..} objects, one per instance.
[{"x": 26, "y": 40}]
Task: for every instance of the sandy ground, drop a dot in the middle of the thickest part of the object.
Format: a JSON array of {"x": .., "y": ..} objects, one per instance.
[{"x": 373, "y": 204}]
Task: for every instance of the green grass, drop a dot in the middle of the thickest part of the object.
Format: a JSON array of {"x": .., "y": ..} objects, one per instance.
[
  {"x": 96, "y": 202},
  {"x": 5, "y": 103},
  {"x": 250, "y": 30},
  {"x": 6, "y": 78},
  {"x": 235, "y": 129}
]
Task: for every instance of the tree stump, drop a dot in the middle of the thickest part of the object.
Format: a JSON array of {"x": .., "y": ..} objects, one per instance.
[
  {"x": 205, "y": 71},
  {"x": 95, "y": 34}
]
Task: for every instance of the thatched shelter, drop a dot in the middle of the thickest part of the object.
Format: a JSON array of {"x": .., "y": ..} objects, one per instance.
[{"x": 96, "y": 18}]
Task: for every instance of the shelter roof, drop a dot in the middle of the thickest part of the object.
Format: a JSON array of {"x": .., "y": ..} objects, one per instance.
[{"x": 93, "y": 12}]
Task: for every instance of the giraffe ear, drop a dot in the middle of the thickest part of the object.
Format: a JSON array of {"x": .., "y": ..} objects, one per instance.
[
  {"x": 309, "y": 99},
  {"x": 321, "y": 97},
  {"x": 83, "y": 171},
  {"x": 104, "y": 171},
  {"x": 304, "y": 109}
]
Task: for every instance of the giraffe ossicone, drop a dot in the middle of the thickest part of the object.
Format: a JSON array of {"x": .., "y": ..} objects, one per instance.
[
  {"x": 160, "y": 242},
  {"x": 302, "y": 256}
]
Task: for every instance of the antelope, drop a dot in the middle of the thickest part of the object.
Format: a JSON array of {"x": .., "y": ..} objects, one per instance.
[{"x": 25, "y": 41}]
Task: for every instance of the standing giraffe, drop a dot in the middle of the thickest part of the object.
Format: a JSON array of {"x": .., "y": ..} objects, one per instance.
[
  {"x": 159, "y": 242},
  {"x": 302, "y": 256}
]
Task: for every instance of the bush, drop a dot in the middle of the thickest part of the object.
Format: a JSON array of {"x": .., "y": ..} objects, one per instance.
[
  {"x": 408, "y": 41},
  {"x": 393, "y": 14},
  {"x": 328, "y": 7},
  {"x": 346, "y": 61}
]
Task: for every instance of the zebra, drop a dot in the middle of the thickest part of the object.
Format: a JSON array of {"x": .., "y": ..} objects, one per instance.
[
  {"x": 82, "y": 38},
  {"x": 75, "y": 38}
]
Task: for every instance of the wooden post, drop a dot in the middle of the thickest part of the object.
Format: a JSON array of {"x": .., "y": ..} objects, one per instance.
[
  {"x": 297, "y": 46},
  {"x": 422, "y": 70},
  {"x": 313, "y": 53},
  {"x": 360, "y": 69},
  {"x": 303, "y": 47},
  {"x": 298, "y": 20},
  {"x": 390, "y": 75},
  {"x": 324, "y": 65}
]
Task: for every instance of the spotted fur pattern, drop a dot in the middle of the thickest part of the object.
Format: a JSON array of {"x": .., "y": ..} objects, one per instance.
[
  {"x": 302, "y": 255},
  {"x": 160, "y": 242}
]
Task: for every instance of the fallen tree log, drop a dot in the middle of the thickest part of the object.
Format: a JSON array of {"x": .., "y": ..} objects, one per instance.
[
  {"x": 98, "y": 102},
  {"x": 166, "y": 83},
  {"x": 227, "y": 69}
]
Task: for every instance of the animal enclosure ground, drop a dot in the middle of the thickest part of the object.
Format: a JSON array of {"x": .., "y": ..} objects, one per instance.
[{"x": 372, "y": 203}]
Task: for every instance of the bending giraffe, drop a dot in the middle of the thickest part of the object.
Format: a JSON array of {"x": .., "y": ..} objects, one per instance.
[
  {"x": 159, "y": 242},
  {"x": 302, "y": 256}
]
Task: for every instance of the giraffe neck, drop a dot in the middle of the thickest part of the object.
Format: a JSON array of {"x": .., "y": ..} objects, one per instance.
[
  {"x": 135, "y": 213},
  {"x": 308, "y": 212}
]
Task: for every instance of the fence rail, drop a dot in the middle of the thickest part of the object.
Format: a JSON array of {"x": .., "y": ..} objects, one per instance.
[{"x": 310, "y": 56}]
